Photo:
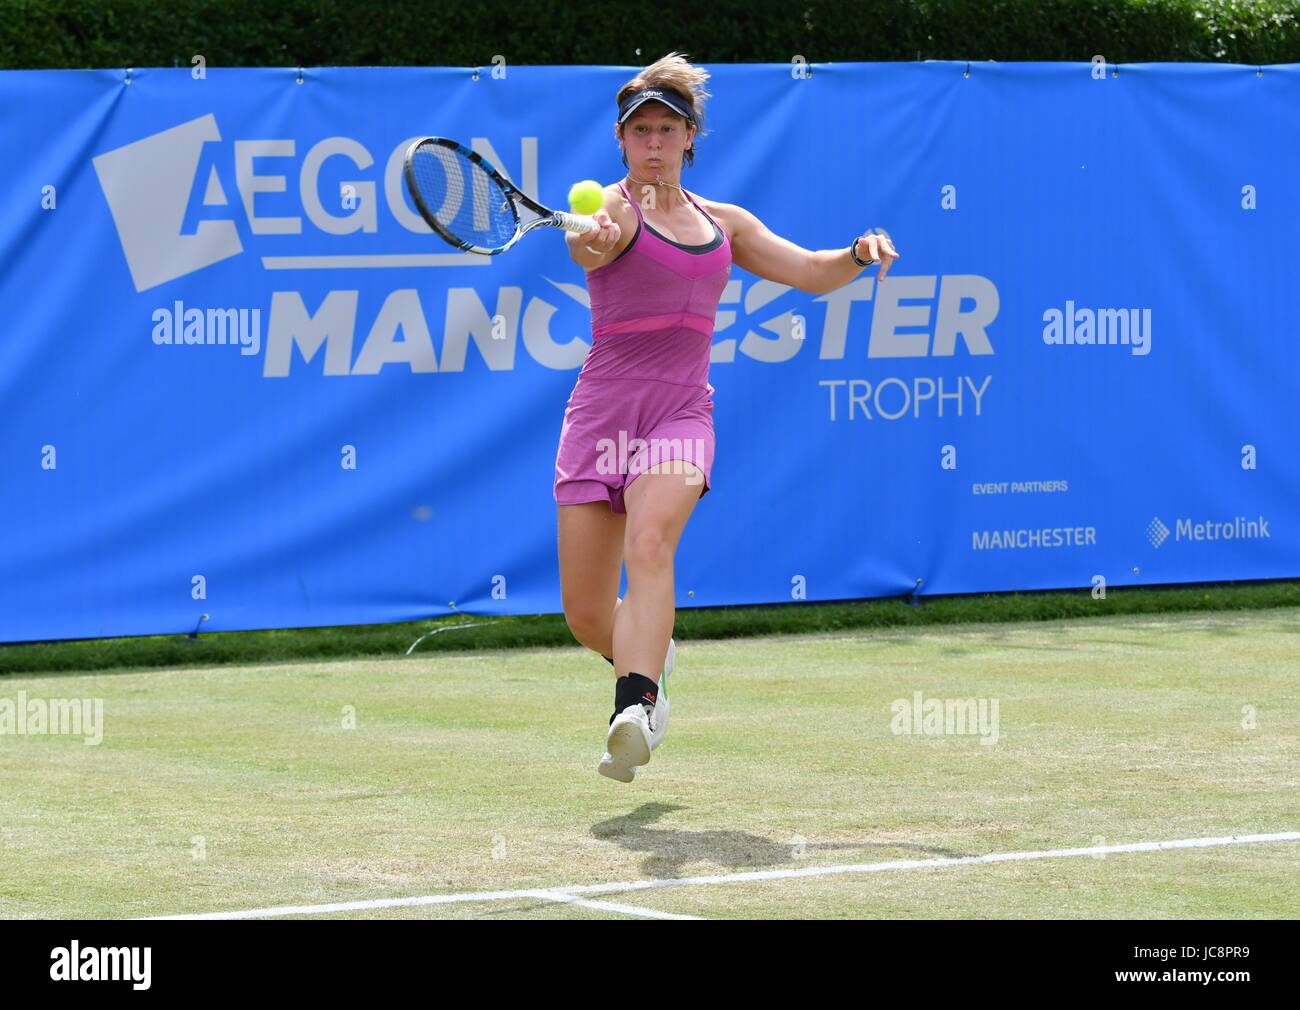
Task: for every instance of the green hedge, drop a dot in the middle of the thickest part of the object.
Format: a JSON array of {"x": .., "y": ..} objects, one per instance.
[
  {"x": 465, "y": 631},
  {"x": 142, "y": 33}
]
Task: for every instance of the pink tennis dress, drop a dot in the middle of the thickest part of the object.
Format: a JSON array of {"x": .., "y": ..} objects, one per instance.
[{"x": 643, "y": 396}]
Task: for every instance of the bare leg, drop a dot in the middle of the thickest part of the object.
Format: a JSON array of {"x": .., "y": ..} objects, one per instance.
[
  {"x": 591, "y": 559},
  {"x": 658, "y": 505}
]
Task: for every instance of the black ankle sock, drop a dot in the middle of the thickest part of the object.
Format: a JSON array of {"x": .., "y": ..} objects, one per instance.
[{"x": 634, "y": 688}]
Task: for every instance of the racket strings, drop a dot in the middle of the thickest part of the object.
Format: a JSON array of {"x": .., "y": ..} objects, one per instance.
[{"x": 463, "y": 197}]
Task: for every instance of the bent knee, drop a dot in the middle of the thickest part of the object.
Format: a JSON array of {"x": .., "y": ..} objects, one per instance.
[
  {"x": 588, "y": 624},
  {"x": 649, "y": 547}
]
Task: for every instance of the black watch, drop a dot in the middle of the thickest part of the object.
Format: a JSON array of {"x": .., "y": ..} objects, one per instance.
[{"x": 853, "y": 251}]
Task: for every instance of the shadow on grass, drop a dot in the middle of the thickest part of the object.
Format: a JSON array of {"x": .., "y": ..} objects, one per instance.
[{"x": 669, "y": 850}]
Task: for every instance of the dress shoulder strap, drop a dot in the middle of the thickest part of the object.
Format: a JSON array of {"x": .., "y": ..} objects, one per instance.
[
  {"x": 705, "y": 213},
  {"x": 631, "y": 201}
]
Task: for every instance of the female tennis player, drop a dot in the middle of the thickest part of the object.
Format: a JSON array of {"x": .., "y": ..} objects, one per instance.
[{"x": 636, "y": 447}]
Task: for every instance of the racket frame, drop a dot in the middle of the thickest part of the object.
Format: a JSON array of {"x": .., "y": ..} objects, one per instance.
[{"x": 513, "y": 195}]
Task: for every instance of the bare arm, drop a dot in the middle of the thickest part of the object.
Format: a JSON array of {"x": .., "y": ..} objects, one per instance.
[
  {"x": 761, "y": 252},
  {"x": 597, "y": 248}
]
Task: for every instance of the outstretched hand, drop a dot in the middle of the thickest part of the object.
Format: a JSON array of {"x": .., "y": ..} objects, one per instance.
[
  {"x": 606, "y": 237},
  {"x": 881, "y": 249}
]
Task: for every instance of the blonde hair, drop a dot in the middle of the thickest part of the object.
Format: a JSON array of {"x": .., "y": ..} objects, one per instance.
[{"x": 675, "y": 73}]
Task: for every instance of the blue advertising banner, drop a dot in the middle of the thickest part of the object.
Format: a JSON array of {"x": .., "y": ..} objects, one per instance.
[{"x": 240, "y": 377}]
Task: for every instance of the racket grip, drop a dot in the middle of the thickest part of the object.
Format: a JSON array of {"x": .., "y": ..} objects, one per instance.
[{"x": 580, "y": 223}]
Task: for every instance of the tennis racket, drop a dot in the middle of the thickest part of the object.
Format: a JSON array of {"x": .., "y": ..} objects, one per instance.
[{"x": 470, "y": 204}]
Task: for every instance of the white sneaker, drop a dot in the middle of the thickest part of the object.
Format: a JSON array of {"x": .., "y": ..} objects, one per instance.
[
  {"x": 659, "y": 721},
  {"x": 627, "y": 746},
  {"x": 615, "y": 763},
  {"x": 618, "y": 772}
]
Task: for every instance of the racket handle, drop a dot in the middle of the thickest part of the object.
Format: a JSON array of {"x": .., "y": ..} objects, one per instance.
[{"x": 580, "y": 223}]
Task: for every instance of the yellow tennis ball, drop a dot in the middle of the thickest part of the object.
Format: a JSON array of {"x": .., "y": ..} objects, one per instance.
[{"x": 586, "y": 197}]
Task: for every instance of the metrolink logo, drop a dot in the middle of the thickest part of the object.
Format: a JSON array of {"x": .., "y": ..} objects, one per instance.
[
  {"x": 1237, "y": 528},
  {"x": 185, "y": 199}
]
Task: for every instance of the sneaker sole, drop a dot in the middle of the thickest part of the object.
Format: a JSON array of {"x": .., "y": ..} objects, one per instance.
[
  {"x": 612, "y": 771},
  {"x": 627, "y": 745}
]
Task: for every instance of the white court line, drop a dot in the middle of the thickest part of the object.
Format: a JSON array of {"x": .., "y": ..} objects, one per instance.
[
  {"x": 576, "y": 890},
  {"x": 609, "y": 906}
]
